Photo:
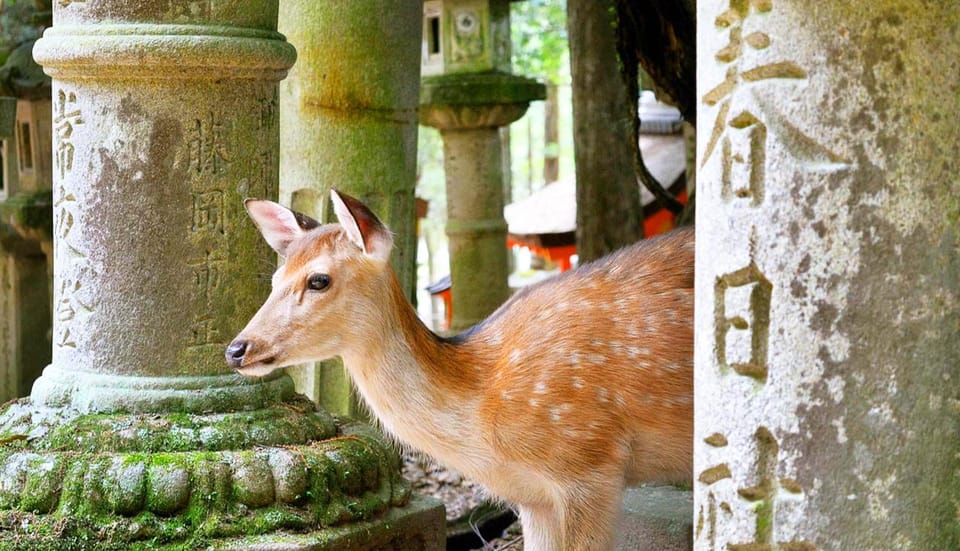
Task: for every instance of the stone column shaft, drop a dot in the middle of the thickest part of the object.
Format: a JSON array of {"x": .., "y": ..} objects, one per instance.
[
  {"x": 349, "y": 121},
  {"x": 469, "y": 110},
  {"x": 828, "y": 254},
  {"x": 160, "y": 130},
  {"x": 476, "y": 229},
  {"x": 349, "y": 116}
]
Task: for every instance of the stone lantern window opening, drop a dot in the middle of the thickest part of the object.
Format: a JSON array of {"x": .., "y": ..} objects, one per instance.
[
  {"x": 433, "y": 35},
  {"x": 432, "y": 58},
  {"x": 26, "y": 147},
  {"x": 3, "y": 172}
]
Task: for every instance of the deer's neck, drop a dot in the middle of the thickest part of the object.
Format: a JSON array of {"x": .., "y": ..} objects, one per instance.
[{"x": 422, "y": 389}]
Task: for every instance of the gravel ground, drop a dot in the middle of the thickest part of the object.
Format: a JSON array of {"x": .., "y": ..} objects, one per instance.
[{"x": 458, "y": 494}]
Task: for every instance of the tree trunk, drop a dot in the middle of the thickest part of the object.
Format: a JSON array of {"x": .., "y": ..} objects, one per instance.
[
  {"x": 609, "y": 213},
  {"x": 662, "y": 35},
  {"x": 551, "y": 136}
]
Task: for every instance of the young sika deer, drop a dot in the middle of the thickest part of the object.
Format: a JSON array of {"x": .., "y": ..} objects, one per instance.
[{"x": 571, "y": 390}]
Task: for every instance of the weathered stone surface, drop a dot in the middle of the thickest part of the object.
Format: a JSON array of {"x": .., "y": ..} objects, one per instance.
[
  {"x": 477, "y": 100},
  {"x": 418, "y": 526},
  {"x": 656, "y": 518},
  {"x": 349, "y": 121},
  {"x": 160, "y": 130},
  {"x": 476, "y": 230},
  {"x": 827, "y": 276},
  {"x": 153, "y": 487}
]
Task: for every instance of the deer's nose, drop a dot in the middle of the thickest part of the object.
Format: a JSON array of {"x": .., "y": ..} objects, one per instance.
[{"x": 235, "y": 352}]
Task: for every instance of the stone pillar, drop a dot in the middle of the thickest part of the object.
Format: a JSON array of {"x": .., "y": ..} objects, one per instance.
[
  {"x": 160, "y": 131},
  {"x": 164, "y": 118},
  {"x": 828, "y": 276},
  {"x": 469, "y": 109},
  {"x": 24, "y": 291},
  {"x": 349, "y": 121}
]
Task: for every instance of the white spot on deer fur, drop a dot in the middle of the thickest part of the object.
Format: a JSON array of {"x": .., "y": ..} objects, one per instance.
[
  {"x": 515, "y": 356},
  {"x": 672, "y": 366},
  {"x": 578, "y": 382},
  {"x": 602, "y": 394},
  {"x": 540, "y": 387},
  {"x": 618, "y": 399},
  {"x": 556, "y": 412},
  {"x": 595, "y": 358},
  {"x": 633, "y": 352},
  {"x": 534, "y": 402}
]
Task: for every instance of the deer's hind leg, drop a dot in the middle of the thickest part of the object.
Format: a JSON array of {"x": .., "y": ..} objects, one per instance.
[{"x": 591, "y": 515}]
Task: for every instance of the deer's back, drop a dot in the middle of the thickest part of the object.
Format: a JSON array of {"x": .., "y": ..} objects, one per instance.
[{"x": 596, "y": 365}]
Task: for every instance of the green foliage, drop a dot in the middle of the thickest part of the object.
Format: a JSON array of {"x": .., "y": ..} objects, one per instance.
[
  {"x": 538, "y": 31},
  {"x": 22, "y": 21}
]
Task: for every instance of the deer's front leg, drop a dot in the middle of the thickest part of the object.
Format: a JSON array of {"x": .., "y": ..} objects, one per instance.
[{"x": 542, "y": 528}]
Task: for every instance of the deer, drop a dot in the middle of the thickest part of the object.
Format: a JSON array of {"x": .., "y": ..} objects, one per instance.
[{"x": 571, "y": 391}]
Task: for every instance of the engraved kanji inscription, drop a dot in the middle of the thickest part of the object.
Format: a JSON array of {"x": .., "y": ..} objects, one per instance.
[
  {"x": 707, "y": 516},
  {"x": 69, "y": 305},
  {"x": 206, "y": 274},
  {"x": 211, "y": 145},
  {"x": 765, "y": 497},
  {"x": 742, "y": 322},
  {"x": 746, "y": 181},
  {"x": 268, "y": 113},
  {"x": 208, "y": 211},
  {"x": 67, "y": 117},
  {"x": 190, "y": 9},
  {"x": 203, "y": 331},
  {"x": 744, "y": 159}
]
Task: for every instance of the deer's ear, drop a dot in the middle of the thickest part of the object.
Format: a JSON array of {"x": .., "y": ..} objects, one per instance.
[
  {"x": 362, "y": 226},
  {"x": 278, "y": 224}
]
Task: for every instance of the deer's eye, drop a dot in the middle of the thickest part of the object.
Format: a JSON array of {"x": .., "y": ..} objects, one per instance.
[{"x": 318, "y": 282}]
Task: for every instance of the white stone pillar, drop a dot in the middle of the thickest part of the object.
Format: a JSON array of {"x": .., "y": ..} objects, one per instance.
[
  {"x": 164, "y": 119},
  {"x": 828, "y": 261}
]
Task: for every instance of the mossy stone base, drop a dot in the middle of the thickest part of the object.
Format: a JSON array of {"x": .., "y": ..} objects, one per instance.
[
  {"x": 150, "y": 480},
  {"x": 418, "y": 526}
]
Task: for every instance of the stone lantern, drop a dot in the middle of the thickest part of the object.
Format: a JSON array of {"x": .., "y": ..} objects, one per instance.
[{"x": 468, "y": 93}]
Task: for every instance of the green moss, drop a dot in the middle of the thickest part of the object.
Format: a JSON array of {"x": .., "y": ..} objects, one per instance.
[
  {"x": 480, "y": 89},
  {"x": 73, "y": 492},
  {"x": 31, "y": 210},
  {"x": 289, "y": 423}
]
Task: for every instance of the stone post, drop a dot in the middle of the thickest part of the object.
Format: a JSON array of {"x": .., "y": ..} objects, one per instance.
[
  {"x": 469, "y": 94},
  {"x": 160, "y": 131},
  {"x": 164, "y": 118},
  {"x": 348, "y": 120},
  {"x": 469, "y": 110},
  {"x": 828, "y": 276}
]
